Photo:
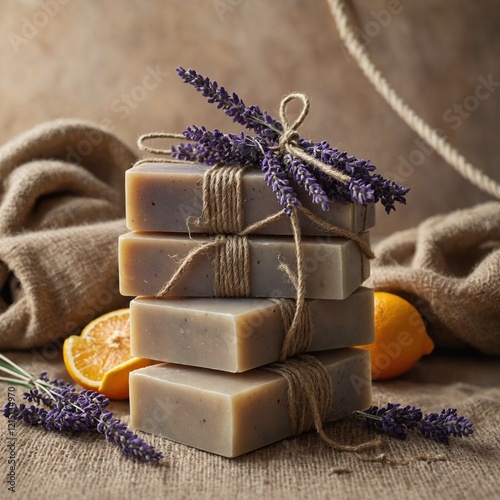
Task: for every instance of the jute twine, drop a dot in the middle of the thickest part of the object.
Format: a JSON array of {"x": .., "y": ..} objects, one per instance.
[
  {"x": 310, "y": 396},
  {"x": 309, "y": 384}
]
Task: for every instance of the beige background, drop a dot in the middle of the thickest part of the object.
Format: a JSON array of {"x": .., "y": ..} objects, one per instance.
[
  {"x": 85, "y": 57},
  {"x": 91, "y": 60}
]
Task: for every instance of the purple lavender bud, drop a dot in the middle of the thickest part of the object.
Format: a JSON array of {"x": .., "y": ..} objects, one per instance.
[
  {"x": 130, "y": 444},
  {"x": 438, "y": 426},
  {"x": 213, "y": 147},
  {"x": 361, "y": 192},
  {"x": 31, "y": 415},
  {"x": 391, "y": 426},
  {"x": 393, "y": 419},
  {"x": 275, "y": 176},
  {"x": 251, "y": 116},
  {"x": 306, "y": 179},
  {"x": 364, "y": 187}
]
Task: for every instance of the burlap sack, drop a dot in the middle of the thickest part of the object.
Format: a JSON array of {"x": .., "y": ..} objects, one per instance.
[
  {"x": 61, "y": 211},
  {"x": 449, "y": 268}
]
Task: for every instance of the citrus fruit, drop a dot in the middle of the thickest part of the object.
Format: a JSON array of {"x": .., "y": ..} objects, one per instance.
[
  {"x": 401, "y": 338},
  {"x": 114, "y": 384},
  {"x": 99, "y": 358}
]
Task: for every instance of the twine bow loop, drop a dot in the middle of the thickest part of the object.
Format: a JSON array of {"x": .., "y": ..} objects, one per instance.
[
  {"x": 290, "y": 131},
  {"x": 141, "y": 144}
]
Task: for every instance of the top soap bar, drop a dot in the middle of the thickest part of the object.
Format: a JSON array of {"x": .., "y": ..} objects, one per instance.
[{"x": 167, "y": 197}]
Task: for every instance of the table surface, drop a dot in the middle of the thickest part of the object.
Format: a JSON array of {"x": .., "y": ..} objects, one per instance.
[{"x": 50, "y": 465}]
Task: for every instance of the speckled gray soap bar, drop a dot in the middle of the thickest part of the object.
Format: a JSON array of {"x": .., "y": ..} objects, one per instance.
[
  {"x": 233, "y": 413},
  {"x": 236, "y": 335},
  {"x": 334, "y": 267},
  {"x": 165, "y": 197}
]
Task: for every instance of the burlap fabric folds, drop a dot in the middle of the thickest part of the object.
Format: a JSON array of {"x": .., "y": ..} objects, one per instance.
[
  {"x": 61, "y": 211},
  {"x": 449, "y": 268}
]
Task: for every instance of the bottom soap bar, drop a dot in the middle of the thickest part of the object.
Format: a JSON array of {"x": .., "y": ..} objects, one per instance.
[{"x": 233, "y": 413}]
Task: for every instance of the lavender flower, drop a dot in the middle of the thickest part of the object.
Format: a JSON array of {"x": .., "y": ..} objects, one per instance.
[
  {"x": 392, "y": 420},
  {"x": 275, "y": 177},
  {"x": 251, "y": 117},
  {"x": 439, "y": 426},
  {"x": 395, "y": 421},
  {"x": 364, "y": 187},
  {"x": 361, "y": 192},
  {"x": 306, "y": 179},
  {"x": 215, "y": 147},
  {"x": 60, "y": 407}
]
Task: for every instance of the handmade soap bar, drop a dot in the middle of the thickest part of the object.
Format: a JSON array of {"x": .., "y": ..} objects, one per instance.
[
  {"x": 233, "y": 413},
  {"x": 236, "y": 335},
  {"x": 168, "y": 198},
  {"x": 334, "y": 267}
]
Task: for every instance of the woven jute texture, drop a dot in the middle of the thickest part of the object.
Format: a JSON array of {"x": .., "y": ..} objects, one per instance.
[
  {"x": 49, "y": 465},
  {"x": 449, "y": 268},
  {"x": 61, "y": 211}
]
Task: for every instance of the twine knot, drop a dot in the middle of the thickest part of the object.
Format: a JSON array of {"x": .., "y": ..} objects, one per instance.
[
  {"x": 289, "y": 136},
  {"x": 289, "y": 140}
]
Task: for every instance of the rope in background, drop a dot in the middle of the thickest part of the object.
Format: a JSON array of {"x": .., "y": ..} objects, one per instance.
[{"x": 417, "y": 124}]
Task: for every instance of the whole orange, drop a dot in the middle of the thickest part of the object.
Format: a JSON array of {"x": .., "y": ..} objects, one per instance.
[{"x": 401, "y": 338}]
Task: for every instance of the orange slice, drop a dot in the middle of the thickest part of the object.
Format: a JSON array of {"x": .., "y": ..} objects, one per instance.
[
  {"x": 114, "y": 384},
  {"x": 99, "y": 358}
]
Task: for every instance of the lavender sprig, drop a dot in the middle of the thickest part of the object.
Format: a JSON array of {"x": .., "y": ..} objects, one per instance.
[
  {"x": 213, "y": 147},
  {"x": 249, "y": 116},
  {"x": 364, "y": 186},
  {"x": 60, "y": 407},
  {"x": 395, "y": 420},
  {"x": 438, "y": 426},
  {"x": 307, "y": 180},
  {"x": 275, "y": 177}
]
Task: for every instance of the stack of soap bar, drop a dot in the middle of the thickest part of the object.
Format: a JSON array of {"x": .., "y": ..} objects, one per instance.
[{"x": 213, "y": 392}]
